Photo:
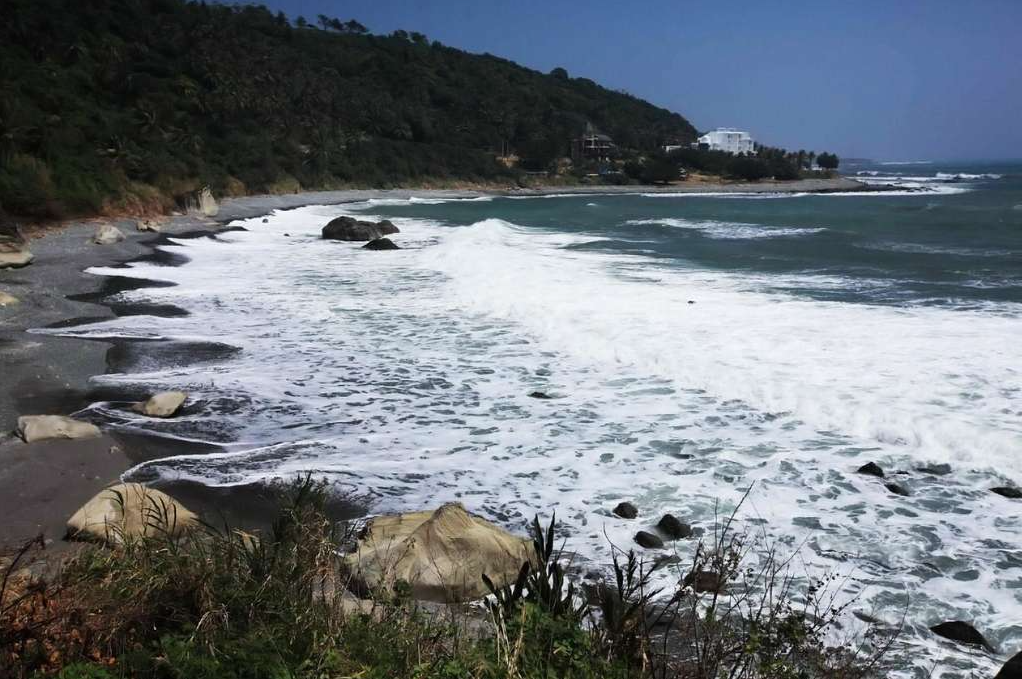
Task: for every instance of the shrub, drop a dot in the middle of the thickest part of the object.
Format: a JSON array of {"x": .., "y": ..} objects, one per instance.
[{"x": 26, "y": 187}]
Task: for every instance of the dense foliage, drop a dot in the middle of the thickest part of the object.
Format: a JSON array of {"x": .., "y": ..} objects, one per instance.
[{"x": 126, "y": 102}]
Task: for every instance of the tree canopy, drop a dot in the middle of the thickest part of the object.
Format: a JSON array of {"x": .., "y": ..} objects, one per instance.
[{"x": 127, "y": 100}]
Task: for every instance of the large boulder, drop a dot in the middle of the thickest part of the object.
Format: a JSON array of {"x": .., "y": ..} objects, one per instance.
[
  {"x": 41, "y": 427},
  {"x": 441, "y": 554},
  {"x": 107, "y": 234},
  {"x": 163, "y": 404},
  {"x": 351, "y": 229},
  {"x": 129, "y": 510},
  {"x": 1012, "y": 669}
]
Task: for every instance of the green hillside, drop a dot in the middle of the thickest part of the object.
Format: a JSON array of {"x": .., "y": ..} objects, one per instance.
[{"x": 109, "y": 104}]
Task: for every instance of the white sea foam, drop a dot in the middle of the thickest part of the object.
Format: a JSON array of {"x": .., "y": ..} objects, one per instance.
[
  {"x": 730, "y": 230},
  {"x": 407, "y": 373}
]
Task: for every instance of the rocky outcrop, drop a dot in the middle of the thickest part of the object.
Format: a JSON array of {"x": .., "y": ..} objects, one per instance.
[
  {"x": 107, "y": 234},
  {"x": 41, "y": 427},
  {"x": 897, "y": 489},
  {"x": 1010, "y": 492},
  {"x": 351, "y": 229},
  {"x": 626, "y": 510},
  {"x": 441, "y": 554},
  {"x": 8, "y": 300},
  {"x": 128, "y": 511},
  {"x": 704, "y": 581},
  {"x": 381, "y": 244},
  {"x": 163, "y": 404},
  {"x": 673, "y": 528},
  {"x": 962, "y": 632}
]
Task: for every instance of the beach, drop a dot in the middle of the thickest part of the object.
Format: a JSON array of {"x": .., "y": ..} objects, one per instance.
[{"x": 42, "y": 483}]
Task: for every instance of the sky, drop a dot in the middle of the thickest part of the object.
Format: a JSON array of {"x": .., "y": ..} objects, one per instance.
[{"x": 901, "y": 80}]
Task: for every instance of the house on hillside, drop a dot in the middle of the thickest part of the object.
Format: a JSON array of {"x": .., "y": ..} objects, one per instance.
[
  {"x": 727, "y": 139},
  {"x": 592, "y": 145}
]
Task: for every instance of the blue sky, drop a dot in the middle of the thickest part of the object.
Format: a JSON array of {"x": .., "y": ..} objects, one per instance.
[{"x": 888, "y": 80}]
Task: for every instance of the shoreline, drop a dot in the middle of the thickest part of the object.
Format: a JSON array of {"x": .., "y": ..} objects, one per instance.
[{"x": 42, "y": 483}]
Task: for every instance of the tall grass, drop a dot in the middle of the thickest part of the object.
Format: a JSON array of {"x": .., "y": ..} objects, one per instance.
[{"x": 220, "y": 603}]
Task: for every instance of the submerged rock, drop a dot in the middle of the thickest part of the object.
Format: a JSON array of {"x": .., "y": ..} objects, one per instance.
[
  {"x": 897, "y": 489},
  {"x": 381, "y": 244},
  {"x": 1012, "y": 669},
  {"x": 441, "y": 554},
  {"x": 163, "y": 404},
  {"x": 42, "y": 427},
  {"x": 129, "y": 510},
  {"x": 670, "y": 526},
  {"x": 648, "y": 540},
  {"x": 1010, "y": 492},
  {"x": 626, "y": 510},
  {"x": 936, "y": 469},
  {"x": 351, "y": 229},
  {"x": 871, "y": 469},
  {"x": 107, "y": 234},
  {"x": 540, "y": 395},
  {"x": 962, "y": 632}
]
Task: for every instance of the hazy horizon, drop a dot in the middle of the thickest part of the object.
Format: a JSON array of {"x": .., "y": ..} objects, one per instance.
[{"x": 918, "y": 81}]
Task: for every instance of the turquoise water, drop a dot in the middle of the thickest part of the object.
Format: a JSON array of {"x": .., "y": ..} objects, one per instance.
[{"x": 695, "y": 348}]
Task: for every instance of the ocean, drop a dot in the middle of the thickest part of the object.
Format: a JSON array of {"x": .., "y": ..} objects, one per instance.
[{"x": 695, "y": 348}]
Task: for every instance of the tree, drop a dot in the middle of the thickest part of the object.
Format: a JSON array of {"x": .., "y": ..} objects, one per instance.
[
  {"x": 660, "y": 170},
  {"x": 559, "y": 73},
  {"x": 828, "y": 161}
]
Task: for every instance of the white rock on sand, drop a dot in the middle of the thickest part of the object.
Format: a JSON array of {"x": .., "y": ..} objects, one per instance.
[
  {"x": 148, "y": 225},
  {"x": 163, "y": 404},
  {"x": 41, "y": 427},
  {"x": 129, "y": 510},
  {"x": 207, "y": 203},
  {"x": 8, "y": 300},
  {"x": 442, "y": 554},
  {"x": 107, "y": 234},
  {"x": 14, "y": 257}
]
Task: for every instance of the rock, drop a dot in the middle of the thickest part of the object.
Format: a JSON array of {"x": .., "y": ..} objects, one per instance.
[
  {"x": 207, "y": 203},
  {"x": 441, "y": 554},
  {"x": 670, "y": 526},
  {"x": 626, "y": 510},
  {"x": 1012, "y": 669},
  {"x": 704, "y": 581},
  {"x": 962, "y": 632},
  {"x": 871, "y": 469},
  {"x": 41, "y": 427},
  {"x": 380, "y": 244},
  {"x": 266, "y": 221},
  {"x": 14, "y": 256},
  {"x": 648, "y": 540},
  {"x": 129, "y": 510},
  {"x": 8, "y": 300},
  {"x": 540, "y": 395},
  {"x": 148, "y": 225},
  {"x": 351, "y": 229},
  {"x": 107, "y": 234},
  {"x": 1010, "y": 492},
  {"x": 163, "y": 404},
  {"x": 936, "y": 469},
  {"x": 897, "y": 489}
]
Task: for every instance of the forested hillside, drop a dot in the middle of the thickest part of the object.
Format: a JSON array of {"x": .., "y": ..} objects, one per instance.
[{"x": 107, "y": 103}]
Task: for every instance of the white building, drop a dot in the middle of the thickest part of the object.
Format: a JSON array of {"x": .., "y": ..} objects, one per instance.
[{"x": 728, "y": 139}]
